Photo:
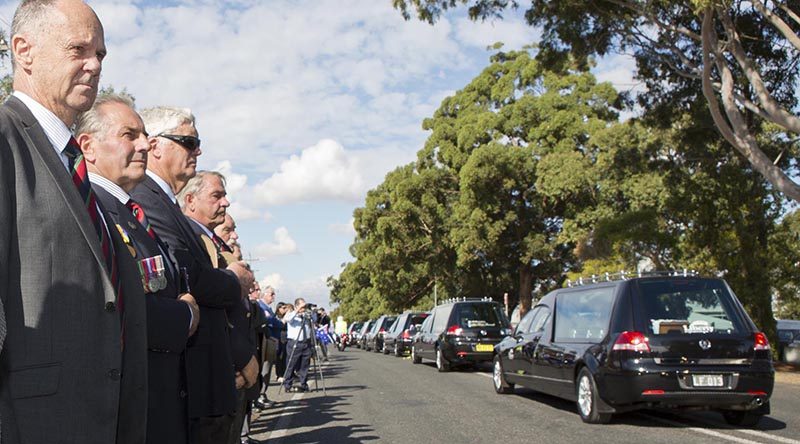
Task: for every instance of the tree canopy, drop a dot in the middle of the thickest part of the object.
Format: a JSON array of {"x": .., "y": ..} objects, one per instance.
[{"x": 740, "y": 55}]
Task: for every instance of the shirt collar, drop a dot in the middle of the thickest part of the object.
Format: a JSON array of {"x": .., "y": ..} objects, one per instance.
[
  {"x": 208, "y": 232},
  {"x": 164, "y": 186},
  {"x": 54, "y": 128},
  {"x": 109, "y": 186}
]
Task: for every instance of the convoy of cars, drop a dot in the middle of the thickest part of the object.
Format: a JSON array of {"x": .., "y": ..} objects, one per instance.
[{"x": 664, "y": 340}]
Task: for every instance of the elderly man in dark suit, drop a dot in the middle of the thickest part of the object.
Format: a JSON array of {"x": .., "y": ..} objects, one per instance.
[
  {"x": 204, "y": 202},
  {"x": 171, "y": 162},
  {"x": 75, "y": 345},
  {"x": 115, "y": 146}
]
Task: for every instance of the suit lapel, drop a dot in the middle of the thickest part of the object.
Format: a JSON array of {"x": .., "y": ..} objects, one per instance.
[
  {"x": 40, "y": 146},
  {"x": 179, "y": 218},
  {"x": 143, "y": 245}
]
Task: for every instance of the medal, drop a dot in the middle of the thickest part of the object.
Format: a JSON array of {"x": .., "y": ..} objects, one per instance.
[
  {"x": 151, "y": 270},
  {"x": 127, "y": 240}
]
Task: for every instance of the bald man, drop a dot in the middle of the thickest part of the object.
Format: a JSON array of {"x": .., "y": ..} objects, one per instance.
[{"x": 73, "y": 367}]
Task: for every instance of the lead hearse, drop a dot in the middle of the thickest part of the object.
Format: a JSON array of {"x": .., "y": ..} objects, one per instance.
[{"x": 661, "y": 340}]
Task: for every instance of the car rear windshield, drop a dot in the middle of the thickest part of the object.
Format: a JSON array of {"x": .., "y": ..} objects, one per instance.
[
  {"x": 690, "y": 306},
  {"x": 418, "y": 319},
  {"x": 480, "y": 315},
  {"x": 388, "y": 321}
]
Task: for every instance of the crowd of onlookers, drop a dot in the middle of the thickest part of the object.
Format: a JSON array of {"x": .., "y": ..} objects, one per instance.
[{"x": 127, "y": 314}]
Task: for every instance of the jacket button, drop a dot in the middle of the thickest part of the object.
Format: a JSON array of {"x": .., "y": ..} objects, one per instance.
[
  {"x": 110, "y": 306},
  {"x": 114, "y": 374},
  {"x": 183, "y": 393}
]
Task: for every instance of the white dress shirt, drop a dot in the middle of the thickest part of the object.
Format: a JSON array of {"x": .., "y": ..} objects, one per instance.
[{"x": 56, "y": 130}]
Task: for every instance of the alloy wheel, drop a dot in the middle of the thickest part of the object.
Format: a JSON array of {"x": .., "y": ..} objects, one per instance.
[{"x": 585, "y": 396}]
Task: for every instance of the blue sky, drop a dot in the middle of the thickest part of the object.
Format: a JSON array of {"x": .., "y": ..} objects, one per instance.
[{"x": 304, "y": 105}]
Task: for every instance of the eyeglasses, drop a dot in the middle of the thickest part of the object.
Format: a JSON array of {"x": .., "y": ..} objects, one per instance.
[{"x": 191, "y": 143}]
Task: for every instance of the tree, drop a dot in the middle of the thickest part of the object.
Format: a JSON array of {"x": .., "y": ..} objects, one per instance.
[
  {"x": 518, "y": 138},
  {"x": 5, "y": 82},
  {"x": 741, "y": 55},
  {"x": 402, "y": 248},
  {"x": 678, "y": 198},
  {"x": 785, "y": 266}
]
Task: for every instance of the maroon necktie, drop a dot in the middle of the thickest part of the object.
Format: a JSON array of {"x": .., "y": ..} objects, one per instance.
[
  {"x": 80, "y": 178},
  {"x": 138, "y": 213},
  {"x": 220, "y": 244}
]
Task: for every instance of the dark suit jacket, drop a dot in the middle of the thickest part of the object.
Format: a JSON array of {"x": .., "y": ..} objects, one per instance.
[
  {"x": 237, "y": 316},
  {"x": 62, "y": 355},
  {"x": 209, "y": 365},
  {"x": 167, "y": 332}
]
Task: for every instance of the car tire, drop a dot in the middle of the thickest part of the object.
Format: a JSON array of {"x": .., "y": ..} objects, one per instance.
[
  {"x": 586, "y": 391},
  {"x": 414, "y": 358},
  {"x": 441, "y": 362},
  {"x": 385, "y": 350},
  {"x": 397, "y": 351},
  {"x": 741, "y": 418},
  {"x": 500, "y": 384}
]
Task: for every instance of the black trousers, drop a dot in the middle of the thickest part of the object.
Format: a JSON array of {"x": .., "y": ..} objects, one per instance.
[
  {"x": 300, "y": 360},
  {"x": 241, "y": 410},
  {"x": 210, "y": 429}
]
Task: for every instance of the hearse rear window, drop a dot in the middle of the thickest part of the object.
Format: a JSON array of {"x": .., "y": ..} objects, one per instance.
[
  {"x": 480, "y": 316},
  {"x": 689, "y": 306},
  {"x": 583, "y": 316}
]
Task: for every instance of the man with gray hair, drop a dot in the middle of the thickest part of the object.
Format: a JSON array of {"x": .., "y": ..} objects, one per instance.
[
  {"x": 115, "y": 145},
  {"x": 171, "y": 163},
  {"x": 204, "y": 202},
  {"x": 73, "y": 366}
]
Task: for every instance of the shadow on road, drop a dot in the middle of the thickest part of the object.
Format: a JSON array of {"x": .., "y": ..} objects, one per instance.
[
  {"x": 315, "y": 417},
  {"x": 643, "y": 418}
]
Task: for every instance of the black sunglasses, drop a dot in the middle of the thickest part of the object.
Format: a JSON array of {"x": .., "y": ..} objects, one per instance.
[{"x": 191, "y": 143}]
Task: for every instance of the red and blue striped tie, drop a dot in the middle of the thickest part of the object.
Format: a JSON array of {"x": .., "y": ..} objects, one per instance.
[
  {"x": 80, "y": 178},
  {"x": 138, "y": 213}
]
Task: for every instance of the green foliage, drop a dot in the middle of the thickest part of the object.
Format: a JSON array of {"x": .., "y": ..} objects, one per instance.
[{"x": 785, "y": 266}]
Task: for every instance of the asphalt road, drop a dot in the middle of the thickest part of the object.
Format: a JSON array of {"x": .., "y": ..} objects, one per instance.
[{"x": 373, "y": 397}]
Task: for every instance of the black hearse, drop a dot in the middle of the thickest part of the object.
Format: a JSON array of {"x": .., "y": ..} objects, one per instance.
[{"x": 664, "y": 340}]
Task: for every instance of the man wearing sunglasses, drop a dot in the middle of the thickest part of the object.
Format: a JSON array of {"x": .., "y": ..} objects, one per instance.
[{"x": 172, "y": 162}]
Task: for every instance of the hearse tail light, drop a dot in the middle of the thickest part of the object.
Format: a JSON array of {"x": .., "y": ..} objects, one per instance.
[
  {"x": 652, "y": 392},
  {"x": 405, "y": 334},
  {"x": 454, "y": 330},
  {"x": 633, "y": 341},
  {"x": 760, "y": 342}
]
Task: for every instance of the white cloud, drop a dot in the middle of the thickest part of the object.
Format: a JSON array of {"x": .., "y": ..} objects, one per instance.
[
  {"x": 321, "y": 172},
  {"x": 282, "y": 245},
  {"x": 314, "y": 290},
  {"x": 514, "y": 34},
  {"x": 618, "y": 69},
  {"x": 346, "y": 229},
  {"x": 274, "y": 280}
]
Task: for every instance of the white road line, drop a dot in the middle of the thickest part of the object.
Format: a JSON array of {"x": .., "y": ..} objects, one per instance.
[
  {"x": 282, "y": 426},
  {"x": 699, "y": 430},
  {"x": 750, "y": 432},
  {"x": 768, "y": 436}
]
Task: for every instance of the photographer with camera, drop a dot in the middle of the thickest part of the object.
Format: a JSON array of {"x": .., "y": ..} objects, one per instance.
[{"x": 300, "y": 345}]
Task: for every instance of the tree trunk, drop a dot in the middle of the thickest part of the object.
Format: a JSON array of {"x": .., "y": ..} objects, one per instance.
[{"x": 525, "y": 288}]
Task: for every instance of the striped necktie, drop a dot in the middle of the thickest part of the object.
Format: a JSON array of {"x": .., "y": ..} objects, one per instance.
[
  {"x": 220, "y": 244},
  {"x": 80, "y": 178},
  {"x": 138, "y": 213}
]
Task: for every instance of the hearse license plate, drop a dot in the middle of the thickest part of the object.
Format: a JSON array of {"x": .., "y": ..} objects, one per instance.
[
  {"x": 707, "y": 380},
  {"x": 484, "y": 347}
]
